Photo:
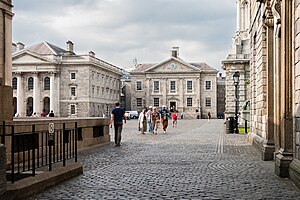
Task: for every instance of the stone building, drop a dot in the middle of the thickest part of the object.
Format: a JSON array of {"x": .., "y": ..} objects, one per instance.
[
  {"x": 47, "y": 77},
  {"x": 5, "y": 80},
  {"x": 238, "y": 60},
  {"x": 189, "y": 88},
  {"x": 274, "y": 82}
]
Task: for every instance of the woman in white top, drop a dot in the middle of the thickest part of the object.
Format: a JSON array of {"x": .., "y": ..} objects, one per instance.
[{"x": 143, "y": 122}]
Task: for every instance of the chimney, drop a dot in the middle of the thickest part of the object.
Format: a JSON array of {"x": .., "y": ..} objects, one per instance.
[
  {"x": 70, "y": 47},
  {"x": 175, "y": 52},
  {"x": 20, "y": 46}
]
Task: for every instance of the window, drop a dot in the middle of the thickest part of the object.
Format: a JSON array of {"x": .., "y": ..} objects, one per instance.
[
  {"x": 139, "y": 102},
  {"x": 156, "y": 102},
  {"x": 73, "y": 109},
  {"x": 138, "y": 85},
  {"x": 98, "y": 91},
  {"x": 30, "y": 83},
  {"x": 46, "y": 83},
  {"x": 156, "y": 86},
  {"x": 73, "y": 75},
  {"x": 189, "y": 86},
  {"x": 93, "y": 90},
  {"x": 14, "y": 83},
  {"x": 172, "y": 86},
  {"x": 207, "y": 85},
  {"x": 189, "y": 102},
  {"x": 208, "y": 102},
  {"x": 73, "y": 91}
]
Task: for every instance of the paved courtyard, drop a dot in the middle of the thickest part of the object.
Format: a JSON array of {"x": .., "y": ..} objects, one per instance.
[{"x": 195, "y": 160}]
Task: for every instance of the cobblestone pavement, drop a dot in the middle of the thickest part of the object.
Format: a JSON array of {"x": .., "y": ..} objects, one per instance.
[{"x": 195, "y": 160}]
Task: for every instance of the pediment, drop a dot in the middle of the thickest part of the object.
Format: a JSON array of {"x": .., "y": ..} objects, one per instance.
[
  {"x": 26, "y": 57},
  {"x": 173, "y": 65}
]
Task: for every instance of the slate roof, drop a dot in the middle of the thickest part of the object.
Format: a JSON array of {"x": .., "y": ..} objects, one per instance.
[{"x": 46, "y": 48}]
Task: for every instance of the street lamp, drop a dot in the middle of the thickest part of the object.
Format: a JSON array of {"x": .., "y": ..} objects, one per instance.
[{"x": 236, "y": 81}]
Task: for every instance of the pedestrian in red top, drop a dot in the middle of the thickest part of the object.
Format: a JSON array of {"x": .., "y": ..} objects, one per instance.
[{"x": 174, "y": 119}]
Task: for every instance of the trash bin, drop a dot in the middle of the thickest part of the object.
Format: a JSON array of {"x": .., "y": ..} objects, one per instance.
[{"x": 230, "y": 121}]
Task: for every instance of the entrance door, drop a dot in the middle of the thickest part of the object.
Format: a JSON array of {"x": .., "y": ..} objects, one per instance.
[
  {"x": 29, "y": 106},
  {"x": 172, "y": 106},
  {"x": 47, "y": 105}
]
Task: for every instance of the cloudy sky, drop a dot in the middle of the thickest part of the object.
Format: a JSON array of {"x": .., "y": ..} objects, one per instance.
[{"x": 120, "y": 30}]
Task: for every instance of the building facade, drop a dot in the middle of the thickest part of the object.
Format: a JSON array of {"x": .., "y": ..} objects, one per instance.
[
  {"x": 238, "y": 61},
  {"x": 274, "y": 82},
  {"x": 189, "y": 88},
  {"x": 47, "y": 77}
]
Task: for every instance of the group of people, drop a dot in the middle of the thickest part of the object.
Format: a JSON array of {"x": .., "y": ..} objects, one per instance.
[{"x": 152, "y": 117}]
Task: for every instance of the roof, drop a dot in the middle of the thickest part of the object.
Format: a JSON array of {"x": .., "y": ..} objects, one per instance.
[{"x": 45, "y": 48}]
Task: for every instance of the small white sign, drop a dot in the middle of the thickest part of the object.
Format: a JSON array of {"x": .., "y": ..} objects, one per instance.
[{"x": 51, "y": 128}]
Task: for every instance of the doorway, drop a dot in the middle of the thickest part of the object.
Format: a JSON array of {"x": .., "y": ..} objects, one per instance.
[
  {"x": 172, "y": 106},
  {"x": 29, "y": 106}
]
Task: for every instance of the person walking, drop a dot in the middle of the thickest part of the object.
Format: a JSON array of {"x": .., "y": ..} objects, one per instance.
[
  {"x": 149, "y": 119},
  {"x": 143, "y": 122},
  {"x": 117, "y": 117},
  {"x": 174, "y": 119},
  {"x": 164, "y": 114},
  {"x": 155, "y": 117},
  {"x": 208, "y": 116}
]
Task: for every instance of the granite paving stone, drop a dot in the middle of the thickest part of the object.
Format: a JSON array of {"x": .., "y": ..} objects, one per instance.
[{"x": 195, "y": 160}]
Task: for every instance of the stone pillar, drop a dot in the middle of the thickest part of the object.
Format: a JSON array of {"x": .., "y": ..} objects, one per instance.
[
  {"x": 2, "y": 170},
  {"x": 36, "y": 94},
  {"x": 269, "y": 146},
  {"x": 147, "y": 96},
  {"x": 6, "y": 93},
  {"x": 20, "y": 96},
  {"x": 238, "y": 15},
  {"x": 285, "y": 153}
]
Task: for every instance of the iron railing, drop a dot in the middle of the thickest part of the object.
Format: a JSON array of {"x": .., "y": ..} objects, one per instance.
[{"x": 35, "y": 146}]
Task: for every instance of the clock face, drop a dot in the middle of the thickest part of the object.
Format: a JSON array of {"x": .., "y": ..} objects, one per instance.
[{"x": 173, "y": 66}]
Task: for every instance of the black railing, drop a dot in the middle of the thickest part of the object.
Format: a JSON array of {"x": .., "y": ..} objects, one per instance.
[{"x": 35, "y": 146}]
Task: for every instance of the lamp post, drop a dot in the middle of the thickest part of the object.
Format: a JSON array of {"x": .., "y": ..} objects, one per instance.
[{"x": 236, "y": 81}]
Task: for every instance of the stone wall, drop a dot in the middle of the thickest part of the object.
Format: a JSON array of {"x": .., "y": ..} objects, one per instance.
[{"x": 2, "y": 170}]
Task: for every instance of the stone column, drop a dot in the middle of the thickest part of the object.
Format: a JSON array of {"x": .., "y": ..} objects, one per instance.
[
  {"x": 6, "y": 93},
  {"x": 198, "y": 100},
  {"x": 147, "y": 96},
  {"x": 269, "y": 146},
  {"x": 36, "y": 94},
  {"x": 53, "y": 93},
  {"x": 20, "y": 96},
  {"x": 285, "y": 153},
  {"x": 238, "y": 15}
]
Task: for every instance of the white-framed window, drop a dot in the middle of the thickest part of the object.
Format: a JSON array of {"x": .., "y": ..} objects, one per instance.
[
  {"x": 30, "y": 83},
  {"x": 156, "y": 102},
  {"x": 138, "y": 85},
  {"x": 73, "y": 91},
  {"x": 208, "y": 102},
  {"x": 207, "y": 85},
  {"x": 14, "y": 83},
  {"x": 73, "y": 109},
  {"x": 73, "y": 75},
  {"x": 189, "y": 102},
  {"x": 93, "y": 75},
  {"x": 139, "y": 102},
  {"x": 172, "y": 86},
  {"x": 98, "y": 91},
  {"x": 156, "y": 86},
  {"x": 189, "y": 86},
  {"x": 46, "y": 83}
]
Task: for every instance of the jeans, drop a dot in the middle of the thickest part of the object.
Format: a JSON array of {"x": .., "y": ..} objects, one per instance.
[
  {"x": 150, "y": 127},
  {"x": 118, "y": 131}
]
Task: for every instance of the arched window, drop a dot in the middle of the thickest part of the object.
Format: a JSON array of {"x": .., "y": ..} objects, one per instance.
[
  {"x": 14, "y": 83},
  {"x": 30, "y": 83},
  {"x": 46, "y": 83}
]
